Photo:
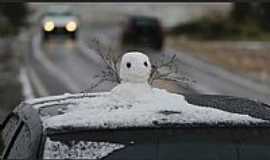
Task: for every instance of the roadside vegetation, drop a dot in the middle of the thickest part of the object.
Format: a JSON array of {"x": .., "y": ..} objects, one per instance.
[
  {"x": 10, "y": 87},
  {"x": 246, "y": 21},
  {"x": 13, "y": 17},
  {"x": 237, "y": 42}
]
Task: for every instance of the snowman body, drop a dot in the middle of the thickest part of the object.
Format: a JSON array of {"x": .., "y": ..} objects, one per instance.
[{"x": 135, "y": 69}]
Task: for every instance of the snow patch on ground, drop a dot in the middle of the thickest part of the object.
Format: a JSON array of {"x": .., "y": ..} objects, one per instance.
[
  {"x": 79, "y": 150},
  {"x": 26, "y": 85},
  {"x": 158, "y": 107},
  {"x": 67, "y": 97}
]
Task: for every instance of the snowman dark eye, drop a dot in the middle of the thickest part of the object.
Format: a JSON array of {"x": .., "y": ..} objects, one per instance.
[
  {"x": 145, "y": 64},
  {"x": 128, "y": 64}
]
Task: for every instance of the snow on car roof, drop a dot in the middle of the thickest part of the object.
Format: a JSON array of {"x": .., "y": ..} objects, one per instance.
[
  {"x": 108, "y": 111},
  {"x": 132, "y": 103}
]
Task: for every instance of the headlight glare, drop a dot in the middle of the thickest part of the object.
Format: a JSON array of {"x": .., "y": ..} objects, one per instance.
[
  {"x": 71, "y": 26},
  {"x": 48, "y": 26}
]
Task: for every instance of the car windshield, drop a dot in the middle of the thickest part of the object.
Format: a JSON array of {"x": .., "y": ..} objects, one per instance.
[
  {"x": 162, "y": 144},
  {"x": 59, "y": 14},
  {"x": 146, "y": 22},
  {"x": 147, "y": 25}
]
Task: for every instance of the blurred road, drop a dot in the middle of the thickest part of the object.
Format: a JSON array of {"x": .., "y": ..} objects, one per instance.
[
  {"x": 209, "y": 79},
  {"x": 61, "y": 65}
]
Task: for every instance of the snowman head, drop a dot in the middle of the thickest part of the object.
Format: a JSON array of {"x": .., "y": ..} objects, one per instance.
[{"x": 135, "y": 67}]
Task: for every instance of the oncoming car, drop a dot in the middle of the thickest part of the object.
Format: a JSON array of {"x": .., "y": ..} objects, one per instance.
[
  {"x": 76, "y": 126},
  {"x": 59, "y": 20},
  {"x": 143, "y": 32}
]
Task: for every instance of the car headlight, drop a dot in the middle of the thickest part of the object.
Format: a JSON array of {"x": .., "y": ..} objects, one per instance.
[
  {"x": 71, "y": 26},
  {"x": 48, "y": 26}
]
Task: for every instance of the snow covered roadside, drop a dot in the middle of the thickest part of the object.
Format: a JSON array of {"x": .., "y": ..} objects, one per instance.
[
  {"x": 160, "y": 107},
  {"x": 26, "y": 85}
]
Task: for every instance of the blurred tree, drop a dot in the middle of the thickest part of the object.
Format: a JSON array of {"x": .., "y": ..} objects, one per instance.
[
  {"x": 15, "y": 13},
  {"x": 264, "y": 12},
  {"x": 258, "y": 12},
  {"x": 242, "y": 11},
  {"x": 247, "y": 20}
]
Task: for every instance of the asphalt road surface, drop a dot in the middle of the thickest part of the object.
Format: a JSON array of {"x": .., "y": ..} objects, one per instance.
[{"x": 60, "y": 66}]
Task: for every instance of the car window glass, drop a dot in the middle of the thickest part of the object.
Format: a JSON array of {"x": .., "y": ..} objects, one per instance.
[
  {"x": 59, "y": 14},
  {"x": 21, "y": 147},
  {"x": 196, "y": 144},
  {"x": 253, "y": 144},
  {"x": 78, "y": 149},
  {"x": 8, "y": 131},
  {"x": 107, "y": 144},
  {"x": 163, "y": 144},
  {"x": 147, "y": 27}
]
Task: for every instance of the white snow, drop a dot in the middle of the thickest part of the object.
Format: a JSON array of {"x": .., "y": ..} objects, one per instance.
[
  {"x": 134, "y": 103},
  {"x": 79, "y": 150},
  {"x": 67, "y": 97},
  {"x": 113, "y": 111},
  {"x": 26, "y": 85},
  {"x": 135, "y": 67},
  {"x": 129, "y": 91}
]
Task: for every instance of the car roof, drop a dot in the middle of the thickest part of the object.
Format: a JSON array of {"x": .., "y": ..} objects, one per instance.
[
  {"x": 59, "y": 8},
  {"x": 98, "y": 111},
  {"x": 58, "y": 11}
]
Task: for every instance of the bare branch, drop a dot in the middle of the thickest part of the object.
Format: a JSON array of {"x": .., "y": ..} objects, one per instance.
[
  {"x": 165, "y": 68},
  {"x": 111, "y": 60}
]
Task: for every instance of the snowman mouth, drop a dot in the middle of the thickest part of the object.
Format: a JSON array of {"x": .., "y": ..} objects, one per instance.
[
  {"x": 136, "y": 77},
  {"x": 139, "y": 75}
]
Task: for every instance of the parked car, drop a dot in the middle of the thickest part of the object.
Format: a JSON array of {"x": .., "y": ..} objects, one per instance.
[
  {"x": 143, "y": 31},
  {"x": 57, "y": 128},
  {"x": 59, "y": 20}
]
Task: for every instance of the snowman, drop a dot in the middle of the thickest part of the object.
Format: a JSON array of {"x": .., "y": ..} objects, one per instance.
[{"x": 135, "y": 69}]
